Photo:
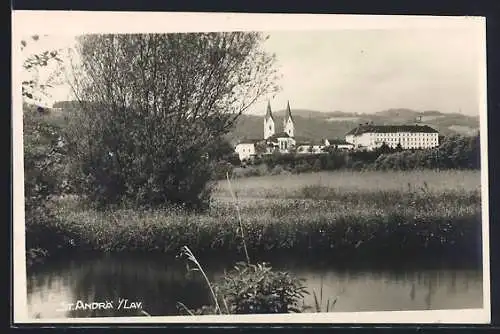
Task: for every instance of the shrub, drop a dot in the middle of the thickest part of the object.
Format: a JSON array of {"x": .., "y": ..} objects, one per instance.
[
  {"x": 145, "y": 139},
  {"x": 45, "y": 161},
  {"x": 251, "y": 289}
]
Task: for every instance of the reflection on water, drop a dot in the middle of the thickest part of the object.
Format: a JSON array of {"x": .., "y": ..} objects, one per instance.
[{"x": 159, "y": 285}]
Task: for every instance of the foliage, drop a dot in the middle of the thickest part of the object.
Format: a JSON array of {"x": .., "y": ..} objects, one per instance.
[
  {"x": 251, "y": 289},
  {"x": 186, "y": 252},
  {"x": 455, "y": 152},
  {"x": 154, "y": 106},
  {"x": 44, "y": 163},
  {"x": 45, "y": 177},
  {"x": 35, "y": 256},
  {"x": 32, "y": 88},
  {"x": 363, "y": 215}
]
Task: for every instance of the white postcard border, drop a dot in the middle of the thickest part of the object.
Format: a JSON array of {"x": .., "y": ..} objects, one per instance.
[{"x": 75, "y": 22}]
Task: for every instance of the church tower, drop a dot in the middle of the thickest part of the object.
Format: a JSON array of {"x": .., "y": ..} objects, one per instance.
[
  {"x": 268, "y": 122},
  {"x": 288, "y": 122}
]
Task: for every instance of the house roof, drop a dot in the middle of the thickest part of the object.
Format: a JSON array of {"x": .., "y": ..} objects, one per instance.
[{"x": 370, "y": 128}]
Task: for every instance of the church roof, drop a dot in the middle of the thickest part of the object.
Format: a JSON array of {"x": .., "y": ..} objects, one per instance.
[
  {"x": 269, "y": 113},
  {"x": 279, "y": 135},
  {"x": 288, "y": 113}
]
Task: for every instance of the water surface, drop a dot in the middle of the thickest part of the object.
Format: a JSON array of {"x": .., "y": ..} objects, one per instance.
[{"x": 159, "y": 283}]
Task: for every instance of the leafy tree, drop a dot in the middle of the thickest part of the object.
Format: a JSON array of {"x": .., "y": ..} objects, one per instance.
[
  {"x": 384, "y": 148},
  {"x": 261, "y": 147},
  {"x": 44, "y": 161},
  {"x": 153, "y": 104},
  {"x": 32, "y": 88}
]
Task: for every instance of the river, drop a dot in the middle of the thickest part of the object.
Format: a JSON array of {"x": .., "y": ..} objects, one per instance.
[{"x": 158, "y": 283}]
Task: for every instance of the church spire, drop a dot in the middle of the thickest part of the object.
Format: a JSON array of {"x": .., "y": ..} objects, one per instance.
[
  {"x": 288, "y": 114},
  {"x": 288, "y": 123},
  {"x": 269, "y": 114},
  {"x": 268, "y": 122}
]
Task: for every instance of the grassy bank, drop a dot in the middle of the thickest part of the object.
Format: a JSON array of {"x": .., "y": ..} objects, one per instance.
[{"x": 338, "y": 215}]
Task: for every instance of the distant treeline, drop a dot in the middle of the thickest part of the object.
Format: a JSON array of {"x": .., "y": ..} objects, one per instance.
[{"x": 454, "y": 152}]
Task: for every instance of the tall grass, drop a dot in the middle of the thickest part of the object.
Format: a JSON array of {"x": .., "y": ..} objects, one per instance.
[
  {"x": 354, "y": 182},
  {"x": 235, "y": 199},
  {"x": 319, "y": 304},
  {"x": 313, "y": 217},
  {"x": 185, "y": 251},
  {"x": 250, "y": 288}
]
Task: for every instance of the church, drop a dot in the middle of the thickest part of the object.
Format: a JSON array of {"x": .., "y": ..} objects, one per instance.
[
  {"x": 273, "y": 140},
  {"x": 283, "y": 140}
]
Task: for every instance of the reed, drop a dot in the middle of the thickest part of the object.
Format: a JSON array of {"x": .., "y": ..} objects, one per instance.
[{"x": 416, "y": 219}]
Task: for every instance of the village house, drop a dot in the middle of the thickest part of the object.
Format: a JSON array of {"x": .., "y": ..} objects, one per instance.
[
  {"x": 339, "y": 144},
  {"x": 310, "y": 146},
  {"x": 369, "y": 136},
  {"x": 246, "y": 149}
]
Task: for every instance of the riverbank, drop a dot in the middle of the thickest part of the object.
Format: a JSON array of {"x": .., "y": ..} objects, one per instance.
[{"x": 396, "y": 223}]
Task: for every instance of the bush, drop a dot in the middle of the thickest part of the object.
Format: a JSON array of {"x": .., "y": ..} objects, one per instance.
[
  {"x": 45, "y": 176},
  {"x": 149, "y": 140},
  {"x": 257, "y": 289}
]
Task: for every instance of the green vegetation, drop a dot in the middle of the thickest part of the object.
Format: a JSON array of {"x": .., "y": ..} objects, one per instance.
[
  {"x": 151, "y": 140},
  {"x": 132, "y": 169},
  {"x": 249, "y": 289},
  {"x": 454, "y": 152},
  {"x": 345, "y": 214}
]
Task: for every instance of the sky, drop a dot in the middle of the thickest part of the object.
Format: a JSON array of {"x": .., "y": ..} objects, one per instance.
[
  {"x": 362, "y": 71},
  {"x": 367, "y": 71}
]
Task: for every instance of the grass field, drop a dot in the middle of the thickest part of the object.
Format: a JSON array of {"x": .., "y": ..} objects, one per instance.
[
  {"x": 412, "y": 214},
  {"x": 347, "y": 181}
]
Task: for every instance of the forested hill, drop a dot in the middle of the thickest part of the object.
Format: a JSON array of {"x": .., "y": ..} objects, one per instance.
[
  {"x": 318, "y": 125},
  {"x": 314, "y": 124}
]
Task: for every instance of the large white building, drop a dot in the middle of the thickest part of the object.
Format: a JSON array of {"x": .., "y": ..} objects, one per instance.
[{"x": 370, "y": 136}]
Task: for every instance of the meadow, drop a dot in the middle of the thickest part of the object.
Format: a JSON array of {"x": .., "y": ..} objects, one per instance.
[{"x": 340, "y": 215}]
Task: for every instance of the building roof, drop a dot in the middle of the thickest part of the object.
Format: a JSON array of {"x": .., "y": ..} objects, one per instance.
[
  {"x": 370, "y": 128},
  {"x": 279, "y": 135},
  {"x": 288, "y": 113},
  {"x": 337, "y": 141},
  {"x": 269, "y": 113}
]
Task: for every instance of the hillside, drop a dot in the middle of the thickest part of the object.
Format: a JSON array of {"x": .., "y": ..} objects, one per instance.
[{"x": 318, "y": 125}]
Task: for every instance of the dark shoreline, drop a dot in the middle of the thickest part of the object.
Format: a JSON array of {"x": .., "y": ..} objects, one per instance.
[{"x": 393, "y": 262}]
